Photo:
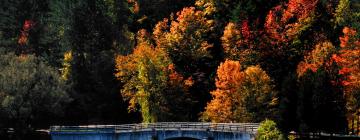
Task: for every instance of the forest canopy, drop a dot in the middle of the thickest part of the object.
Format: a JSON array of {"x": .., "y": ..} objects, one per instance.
[{"x": 296, "y": 62}]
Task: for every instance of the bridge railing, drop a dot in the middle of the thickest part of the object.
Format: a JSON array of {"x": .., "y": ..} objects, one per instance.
[{"x": 192, "y": 126}]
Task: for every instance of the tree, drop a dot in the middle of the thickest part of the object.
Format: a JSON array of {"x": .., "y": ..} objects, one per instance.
[
  {"x": 187, "y": 39},
  {"x": 238, "y": 43},
  {"x": 30, "y": 90},
  {"x": 287, "y": 23},
  {"x": 320, "y": 102},
  {"x": 317, "y": 58},
  {"x": 320, "y": 98},
  {"x": 9, "y": 25},
  {"x": 235, "y": 10},
  {"x": 222, "y": 106},
  {"x": 348, "y": 60},
  {"x": 21, "y": 23},
  {"x": 151, "y": 82},
  {"x": 268, "y": 131},
  {"x": 54, "y": 35},
  {"x": 347, "y": 13},
  {"x": 93, "y": 44},
  {"x": 241, "y": 96},
  {"x": 146, "y": 13}
]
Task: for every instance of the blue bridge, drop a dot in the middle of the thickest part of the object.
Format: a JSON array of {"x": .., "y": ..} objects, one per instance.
[{"x": 157, "y": 131}]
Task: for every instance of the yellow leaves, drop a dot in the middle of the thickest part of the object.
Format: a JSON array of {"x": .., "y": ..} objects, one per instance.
[
  {"x": 302, "y": 24},
  {"x": 186, "y": 35},
  {"x": 208, "y": 6},
  {"x": 191, "y": 20},
  {"x": 255, "y": 74},
  {"x": 257, "y": 82},
  {"x": 230, "y": 39},
  {"x": 144, "y": 74},
  {"x": 342, "y": 12},
  {"x": 321, "y": 53},
  {"x": 66, "y": 70},
  {"x": 68, "y": 56},
  {"x": 132, "y": 104}
]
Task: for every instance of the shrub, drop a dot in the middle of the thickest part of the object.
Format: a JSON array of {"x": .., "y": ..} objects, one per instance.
[{"x": 268, "y": 131}]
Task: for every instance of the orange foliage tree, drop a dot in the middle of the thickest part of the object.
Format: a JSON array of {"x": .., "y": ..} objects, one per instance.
[{"x": 241, "y": 96}]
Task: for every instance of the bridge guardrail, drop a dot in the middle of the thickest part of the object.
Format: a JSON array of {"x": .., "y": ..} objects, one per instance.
[{"x": 195, "y": 126}]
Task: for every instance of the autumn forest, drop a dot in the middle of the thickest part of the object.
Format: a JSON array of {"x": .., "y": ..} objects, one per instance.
[{"x": 79, "y": 62}]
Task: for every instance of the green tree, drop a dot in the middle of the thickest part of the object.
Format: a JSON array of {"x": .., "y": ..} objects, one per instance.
[
  {"x": 9, "y": 23},
  {"x": 30, "y": 90},
  {"x": 347, "y": 13},
  {"x": 92, "y": 45},
  {"x": 269, "y": 131}
]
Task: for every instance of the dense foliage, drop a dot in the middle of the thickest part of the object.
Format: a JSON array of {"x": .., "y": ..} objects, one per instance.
[
  {"x": 30, "y": 91},
  {"x": 269, "y": 131},
  {"x": 296, "y": 62},
  {"x": 241, "y": 96}
]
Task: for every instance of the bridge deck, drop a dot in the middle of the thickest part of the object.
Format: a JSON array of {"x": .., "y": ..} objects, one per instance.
[{"x": 250, "y": 128}]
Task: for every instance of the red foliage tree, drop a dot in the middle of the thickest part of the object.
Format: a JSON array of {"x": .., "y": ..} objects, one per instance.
[
  {"x": 348, "y": 59},
  {"x": 23, "y": 39}
]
